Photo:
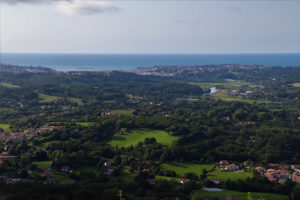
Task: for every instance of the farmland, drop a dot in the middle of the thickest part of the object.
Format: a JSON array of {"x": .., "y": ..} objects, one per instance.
[
  {"x": 134, "y": 137},
  {"x": 182, "y": 168},
  {"x": 233, "y": 176}
]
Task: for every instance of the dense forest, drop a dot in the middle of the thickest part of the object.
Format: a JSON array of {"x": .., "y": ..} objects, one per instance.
[{"x": 164, "y": 135}]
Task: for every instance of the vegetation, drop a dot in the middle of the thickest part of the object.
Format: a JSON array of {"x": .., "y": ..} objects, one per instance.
[
  {"x": 243, "y": 195},
  {"x": 136, "y": 136},
  {"x": 8, "y": 85},
  {"x": 183, "y": 168},
  {"x": 104, "y": 134},
  {"x": 47, "y": 98},
  {"x": 233, "y": 176},
  {"x": 5, "y": 127}
]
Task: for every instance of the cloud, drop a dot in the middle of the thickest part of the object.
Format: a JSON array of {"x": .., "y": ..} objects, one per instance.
[
  {"x": 72, "y": 7},
  {"x": 32, "y": 1},
  {"x": 87, "y": 7}
]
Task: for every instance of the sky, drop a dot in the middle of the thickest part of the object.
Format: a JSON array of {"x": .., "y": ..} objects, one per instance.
[{"x": 150, "y": 26}]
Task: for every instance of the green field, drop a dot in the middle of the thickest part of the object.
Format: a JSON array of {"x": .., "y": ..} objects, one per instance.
[
  {"x": 59, "y": 176},
  {"x": 85, "y": 123},
  {"x": 123, "y": 112},
  {"x": 8, "y": 85},
  {"x": 75, "y": 100},
  {"x": 233, "y": 176},
  {"x": 5, "y": 127},
  {"x": 243, "y": 195},
  {"x": 226, "y": 84},
  {"x": 109, "y": 101},
  {"x": 182, "y": 168},
  {"x": 223, "y": 95},
  {"x": 134, "y": 137},
  {"x": 43, "y": 164},
  {"x": 47, "y": 98},
  {"x": 87, "y": 169}
]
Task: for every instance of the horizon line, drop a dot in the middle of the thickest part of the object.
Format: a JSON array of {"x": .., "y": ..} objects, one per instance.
[{"x": 150, "y": 53}]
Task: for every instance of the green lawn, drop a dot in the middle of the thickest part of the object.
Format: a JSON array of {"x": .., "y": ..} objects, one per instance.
[
  {"x": 43, "y": 164},
  {"x": 8, "y": 85},
  {"x": 134, "y": 137},
  {"x": 86, "y": 169},
  {"x": 85, "y": 123},
  {"x": 182, "y": 168},
  {"x": 75, "y": 100},
  {"x": 223, "y": 95},
  {"x": 123, "y": 112},
  {"x": 227, "y": 84},
  {"x": 47, "y": 98},
  {"x": 243, "y": 195},
  {"x": 233, "y": 176},
  {"x": 59, "y": 176},
  {"x": 5, "y": 127}
]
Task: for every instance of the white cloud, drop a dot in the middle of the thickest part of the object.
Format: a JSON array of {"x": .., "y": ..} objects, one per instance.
[
  {"x": 31, "y": 1},
  {"x": 71, "y": 7},
  {"x": 87, "y": 7}
]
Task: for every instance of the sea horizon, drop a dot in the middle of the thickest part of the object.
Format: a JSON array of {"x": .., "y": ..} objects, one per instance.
[{"x": 129, "y": 61}]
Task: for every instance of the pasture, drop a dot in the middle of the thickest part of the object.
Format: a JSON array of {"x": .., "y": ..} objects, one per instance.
[
  {"x": 42, "y": 164},
  {"x": 233, "y": 176},
  {"x": 5, "y": 127},
  {"x": 75, "y": 100},
  {"x": 8, "y": 85},
  {"x": 182, "y": 168},
  {"x": 136, "y": 136},
  {"x": 123, "y": 112},
  {"x": 47, "y": 98}
]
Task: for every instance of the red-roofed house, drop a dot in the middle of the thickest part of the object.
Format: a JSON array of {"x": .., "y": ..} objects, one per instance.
[
  {"x": 224, "y": 162},
  {"x": 231, "y": 167}
]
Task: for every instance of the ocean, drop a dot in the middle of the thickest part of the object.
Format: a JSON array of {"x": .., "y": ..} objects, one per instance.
[{"x": 98, "y": 62}]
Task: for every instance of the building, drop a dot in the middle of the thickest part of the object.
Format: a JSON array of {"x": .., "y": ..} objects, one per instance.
[
  {"x": 231, "y": 167},
  {"x": 224, "y": 162}
]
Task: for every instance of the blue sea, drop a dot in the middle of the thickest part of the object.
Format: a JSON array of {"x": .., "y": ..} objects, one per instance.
[{"x": 97, "y": 62}]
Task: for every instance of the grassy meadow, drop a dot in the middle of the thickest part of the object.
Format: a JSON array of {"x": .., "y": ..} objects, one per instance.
[
  {"x": 134, "y": 137},
  {"x": 42, "y": 164},
  {"x": 8, "y": 85},
  {"x": 75, "y": 100},
  {"x": 5, "y": 127},
  {"x": 182, "y": 168},
  {"x": 233, "y": 176},
  {"x": 123, "y": 112},
  {"x": 47, "y": 98}
]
